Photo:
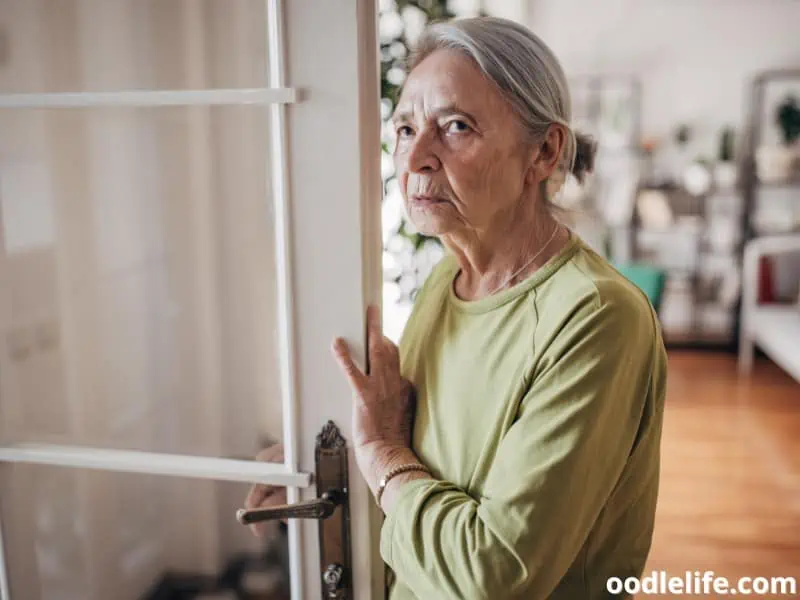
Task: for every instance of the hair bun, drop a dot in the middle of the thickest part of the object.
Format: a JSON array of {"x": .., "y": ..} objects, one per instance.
[{"x": 585, "y": 152}]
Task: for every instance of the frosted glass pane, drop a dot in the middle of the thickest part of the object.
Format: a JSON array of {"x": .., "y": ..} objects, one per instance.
[
  {"x": 138, "y": 300},
  {"x": 112, "y": 45},
  {"x": 89, "y": 535}
]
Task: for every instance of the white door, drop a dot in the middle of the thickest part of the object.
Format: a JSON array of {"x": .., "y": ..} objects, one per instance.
[{"x": 189, "y": 214}]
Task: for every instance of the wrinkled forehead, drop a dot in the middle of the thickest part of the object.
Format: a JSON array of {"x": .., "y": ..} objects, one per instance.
[{"x": 448, "y": 78}]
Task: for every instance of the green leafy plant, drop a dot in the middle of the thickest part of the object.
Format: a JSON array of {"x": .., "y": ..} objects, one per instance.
[
  {"x": 787, "y": 118},
  {"x": 727, "y": 145},
  {"x": 394, "y": 51}
]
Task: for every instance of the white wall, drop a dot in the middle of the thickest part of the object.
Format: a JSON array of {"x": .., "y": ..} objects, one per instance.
[{"x": 694, "y": 57}]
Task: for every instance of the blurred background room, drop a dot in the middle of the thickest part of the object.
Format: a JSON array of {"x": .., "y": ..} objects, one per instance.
[{"x": 146, "y": 226}]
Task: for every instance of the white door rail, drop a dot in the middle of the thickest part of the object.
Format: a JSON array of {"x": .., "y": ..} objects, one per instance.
[
  {"x": 5, "y": 586},
  {"x": 152, "y": 463},
  {"x": 146, "y": 98}
]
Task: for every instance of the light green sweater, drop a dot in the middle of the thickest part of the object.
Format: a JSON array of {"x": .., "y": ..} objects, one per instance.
[{"x": 539, "y": 412}]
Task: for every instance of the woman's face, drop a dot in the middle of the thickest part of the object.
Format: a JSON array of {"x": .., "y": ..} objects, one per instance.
[{"x": 459, "y": 155}]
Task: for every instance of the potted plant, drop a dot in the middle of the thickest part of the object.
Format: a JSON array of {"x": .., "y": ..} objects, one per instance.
[
  {"x": 725, "y": 169},
  {"x": 778, "y": 163},
  {"x": 788, "y": 118}
]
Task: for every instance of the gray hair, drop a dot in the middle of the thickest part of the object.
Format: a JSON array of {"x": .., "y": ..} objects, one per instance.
[{"x": 525, "y": 70}]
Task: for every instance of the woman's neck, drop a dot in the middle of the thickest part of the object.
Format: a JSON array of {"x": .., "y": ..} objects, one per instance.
[{"x": 495, "y": 260}]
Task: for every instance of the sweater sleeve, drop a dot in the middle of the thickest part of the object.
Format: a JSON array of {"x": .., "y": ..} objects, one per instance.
[{"x": 554, "y": 470}]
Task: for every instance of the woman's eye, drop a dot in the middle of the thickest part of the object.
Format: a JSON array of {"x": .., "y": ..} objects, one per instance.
[
  {"x": 456, "y": 126},
  {"x": 404, "y": 131}
]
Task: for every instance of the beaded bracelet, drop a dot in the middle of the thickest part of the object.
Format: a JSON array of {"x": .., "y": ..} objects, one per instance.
[{"x": 395, "y": 472}]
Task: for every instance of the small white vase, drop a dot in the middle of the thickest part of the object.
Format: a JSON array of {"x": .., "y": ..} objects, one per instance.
[
  {"x": 697, "y": 179},
  {"x": 725, "y": 175}
]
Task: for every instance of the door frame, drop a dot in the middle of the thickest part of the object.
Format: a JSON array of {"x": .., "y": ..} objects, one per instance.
[{"x": 325, "y": 140}]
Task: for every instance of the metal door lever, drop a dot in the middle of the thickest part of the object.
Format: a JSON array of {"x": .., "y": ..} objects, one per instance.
[{"x": 318, "y": 508}]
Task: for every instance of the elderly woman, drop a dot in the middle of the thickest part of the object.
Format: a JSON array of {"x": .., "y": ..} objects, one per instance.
[{"x": 513, "y": 439}]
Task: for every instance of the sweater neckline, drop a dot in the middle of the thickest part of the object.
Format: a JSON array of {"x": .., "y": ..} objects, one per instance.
[{"x": 503, "y": 297}]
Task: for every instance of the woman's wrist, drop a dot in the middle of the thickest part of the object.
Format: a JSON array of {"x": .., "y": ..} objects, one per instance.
[
  {"x": 385, "y": 460},
  {"x": 394, "y": 487},
  {"x": 375, "y": 460}
]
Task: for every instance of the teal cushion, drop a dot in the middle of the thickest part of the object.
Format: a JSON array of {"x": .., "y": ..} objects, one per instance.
[{"x": 648, "y": 278}]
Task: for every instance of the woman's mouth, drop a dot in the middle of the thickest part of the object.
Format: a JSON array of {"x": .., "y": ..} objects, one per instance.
[{"x": 426, "y": 200}]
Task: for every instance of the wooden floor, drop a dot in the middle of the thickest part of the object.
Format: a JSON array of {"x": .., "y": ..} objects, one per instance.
[{"x": 730, "y": 488}]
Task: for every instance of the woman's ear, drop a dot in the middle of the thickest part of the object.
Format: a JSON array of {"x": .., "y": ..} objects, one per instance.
[{"x": 549, "y": 153}]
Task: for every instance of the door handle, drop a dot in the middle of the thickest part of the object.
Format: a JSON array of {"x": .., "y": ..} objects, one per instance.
[
  {"x": 318, "y": 508},
  {"x": 331, "y": 510}
]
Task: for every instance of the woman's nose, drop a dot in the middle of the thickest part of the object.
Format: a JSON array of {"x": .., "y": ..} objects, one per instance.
[{"x": 422, "y": 156}]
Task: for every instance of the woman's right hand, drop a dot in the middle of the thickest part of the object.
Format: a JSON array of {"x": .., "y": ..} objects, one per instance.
[{"x": 264, "y": 496}]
